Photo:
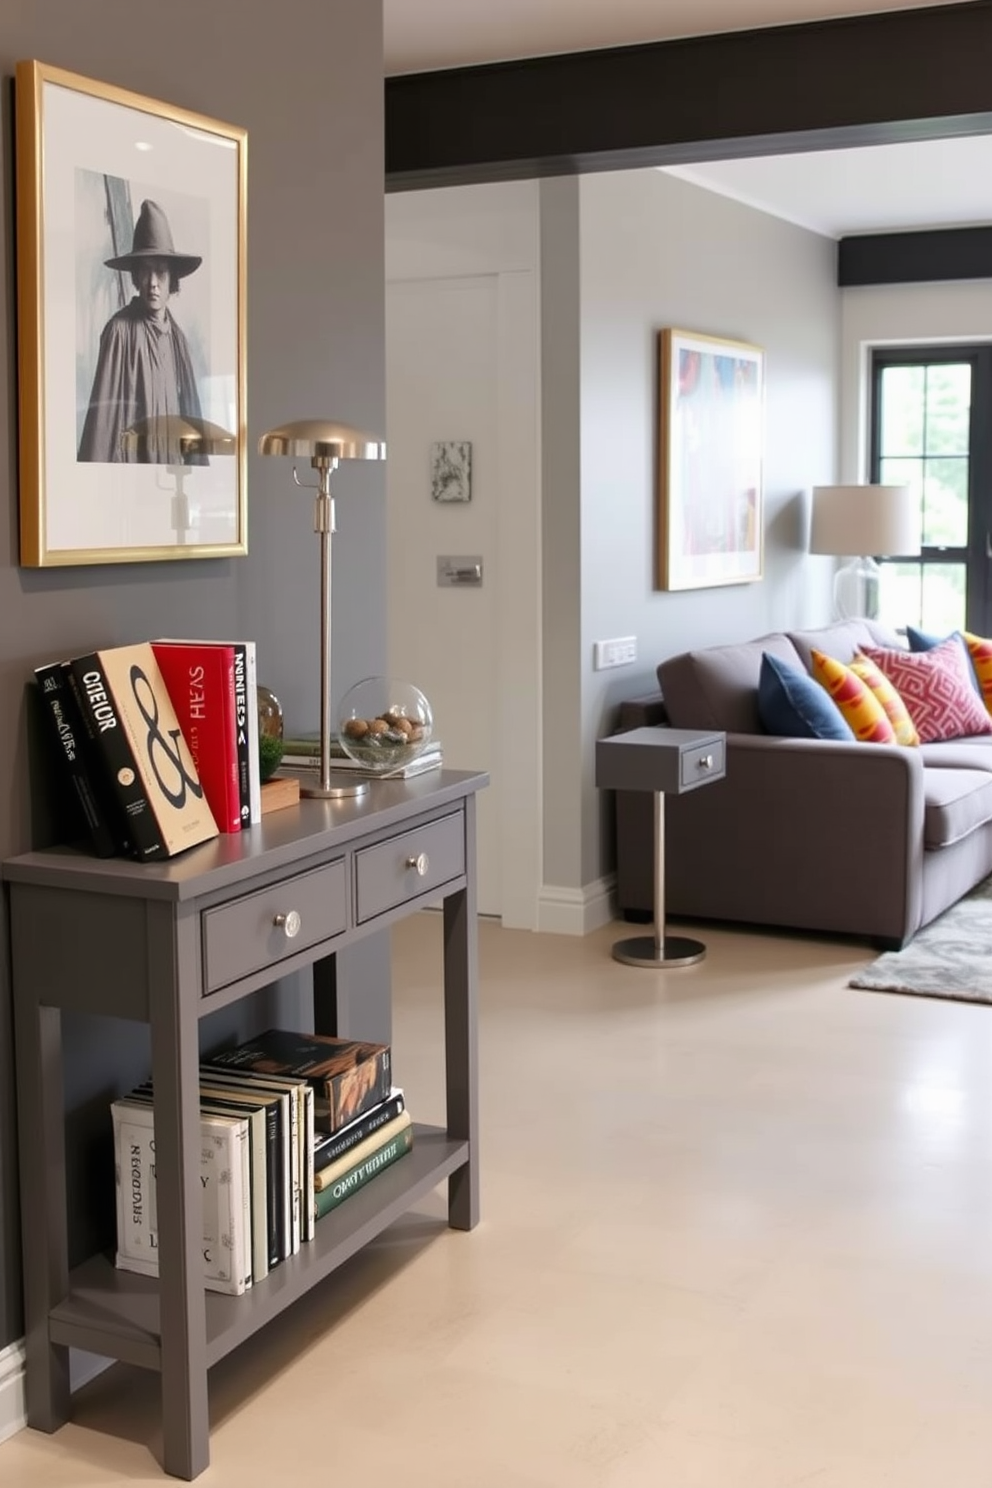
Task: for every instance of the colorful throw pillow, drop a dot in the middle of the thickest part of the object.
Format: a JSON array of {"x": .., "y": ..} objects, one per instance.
[
  {"x": 895, "y": 709},
  {"x": 793, "y": 706},
  {"x": 922, "y": 640},
  {"x": 936, "y": 687},
  {"x": 859, "y": 705},
  {"x": 980, "y": 653}
]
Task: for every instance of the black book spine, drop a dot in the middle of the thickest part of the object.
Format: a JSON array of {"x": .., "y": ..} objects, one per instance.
[
  {"x": 241, "y": 733},
  {"x": 328, "y": 1149},
  {"x": 274, "y": 1207},
  {"x": 60, "y": 706},
  {"x": 99, "y": 713}
]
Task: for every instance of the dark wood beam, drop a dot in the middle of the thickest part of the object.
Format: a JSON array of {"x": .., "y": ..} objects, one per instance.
[
  {"x": 915, "y": 257},
  {"x": 872, "y": 79}
]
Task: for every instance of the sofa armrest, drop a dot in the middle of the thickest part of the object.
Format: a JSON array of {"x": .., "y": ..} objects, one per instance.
[{"x": 805, "y": 833}]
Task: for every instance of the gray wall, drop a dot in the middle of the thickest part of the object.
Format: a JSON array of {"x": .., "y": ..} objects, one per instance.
[
  {"x": 656, "y": 251},
  {"x": 315, "y": 346}
]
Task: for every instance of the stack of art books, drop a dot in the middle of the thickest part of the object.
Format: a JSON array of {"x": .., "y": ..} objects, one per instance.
[
  {"x": 302, "y": 752},
  {"x": 158, "y": 743},
  {"x": 291, "y": 1125}
]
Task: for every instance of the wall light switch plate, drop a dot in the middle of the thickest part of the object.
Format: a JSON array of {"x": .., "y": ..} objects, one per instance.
[{"x": 615, "y": 653}]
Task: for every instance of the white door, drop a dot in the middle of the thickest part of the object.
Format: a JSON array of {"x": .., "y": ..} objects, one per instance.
[{"x": 462, "y": 364}]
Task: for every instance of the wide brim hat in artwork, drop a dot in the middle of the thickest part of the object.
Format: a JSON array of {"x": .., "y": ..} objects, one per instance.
[{"x": 153, "y": 239}]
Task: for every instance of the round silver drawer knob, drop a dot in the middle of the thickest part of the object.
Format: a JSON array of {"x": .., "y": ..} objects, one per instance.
[
  {"x": 290, "y": 923},
  {"x": 705, "y": 762},
  {"x": 421, "y": 863}
]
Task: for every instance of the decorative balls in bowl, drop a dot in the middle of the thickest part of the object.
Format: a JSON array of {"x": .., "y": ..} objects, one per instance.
[{"x": 384, "y": 724}]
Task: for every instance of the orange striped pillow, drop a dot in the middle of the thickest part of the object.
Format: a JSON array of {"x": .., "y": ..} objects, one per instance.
[
  {"x": 859, "y": 705},
  {"x": 895, "y": 709}
]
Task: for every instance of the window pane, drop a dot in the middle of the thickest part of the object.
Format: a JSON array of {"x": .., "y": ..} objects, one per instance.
[
  {"x": 901, "y": 411},
  {"x": 903, "y": 473},
  {"x": 945, "y": 504},
  {"x": 948, "y": 405},
  {"x": 943, "y": 597},
  {"x": 900, "y": 597}
]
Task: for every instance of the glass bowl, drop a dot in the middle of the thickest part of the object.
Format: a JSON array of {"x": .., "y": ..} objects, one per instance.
[{"x": 383, "y": 724}]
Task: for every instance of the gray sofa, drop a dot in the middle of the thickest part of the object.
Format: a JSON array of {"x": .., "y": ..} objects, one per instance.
[{"x": 870, "y": 840}]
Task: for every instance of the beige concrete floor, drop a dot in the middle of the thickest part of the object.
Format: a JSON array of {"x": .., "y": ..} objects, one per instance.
[{"x": 737, "y": 1234}]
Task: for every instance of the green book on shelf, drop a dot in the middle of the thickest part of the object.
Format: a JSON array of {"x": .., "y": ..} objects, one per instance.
[{"x": 362, "y": 1172}]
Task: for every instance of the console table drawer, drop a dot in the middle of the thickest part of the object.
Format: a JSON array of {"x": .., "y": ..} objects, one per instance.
[
  {"x": 408, "y": 865},
  {"x": 259, "y": 930},
  {"x": 702, "y": 763}
]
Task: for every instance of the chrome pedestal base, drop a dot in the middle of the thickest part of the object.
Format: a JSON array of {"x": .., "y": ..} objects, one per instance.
[
  {"x": 340, "y": 786},
  {"x": 645, "y": 950}
]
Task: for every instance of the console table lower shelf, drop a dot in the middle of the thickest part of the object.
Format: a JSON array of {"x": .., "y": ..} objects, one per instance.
[{"x": 116, "y": 1313}]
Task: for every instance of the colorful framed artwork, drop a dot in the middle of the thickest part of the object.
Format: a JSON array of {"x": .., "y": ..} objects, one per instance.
[
  {"x": 710, "y": 461},
  {"x": 131, "y": 307}
]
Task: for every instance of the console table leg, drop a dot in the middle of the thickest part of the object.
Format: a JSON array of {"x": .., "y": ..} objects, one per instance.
[
  {"x": 461, "y": 975},
  {"x": 175, "y": 1073},
  {"x": 38, "y": 1042}
]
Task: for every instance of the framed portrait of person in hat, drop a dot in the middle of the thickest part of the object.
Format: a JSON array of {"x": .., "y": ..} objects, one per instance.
[{"x": 131, "y": 298}]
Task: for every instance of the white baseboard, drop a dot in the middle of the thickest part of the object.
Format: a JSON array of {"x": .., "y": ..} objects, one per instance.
[
  {"x": 13, "y": 1407},
  {"x": 576, "y": 911}
]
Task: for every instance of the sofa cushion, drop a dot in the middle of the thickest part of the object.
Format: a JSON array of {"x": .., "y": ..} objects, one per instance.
[
  {"x": 955, "y": 803},
  {"x": 936, "y": 687},
  {"x": 842, "y": 640},
  {"x": 793, "y": 705},
  {"x": 717, "y": 688},
  {"x": 861, "y": 708},
  {"x": 959, "y": 754}
]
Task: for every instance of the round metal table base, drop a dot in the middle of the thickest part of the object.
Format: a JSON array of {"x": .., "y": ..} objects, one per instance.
[
  {"x": 339, "y": 788},
  {"x": 642, "y": 950}
]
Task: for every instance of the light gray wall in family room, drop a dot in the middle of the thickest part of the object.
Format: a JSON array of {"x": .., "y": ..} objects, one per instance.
[
  {"x": 656, "y": 251},
  {"x": 315, "y": 346}
]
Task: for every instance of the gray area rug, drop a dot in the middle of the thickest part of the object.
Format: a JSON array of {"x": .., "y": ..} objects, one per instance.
[{"x": 952, "y": 957}]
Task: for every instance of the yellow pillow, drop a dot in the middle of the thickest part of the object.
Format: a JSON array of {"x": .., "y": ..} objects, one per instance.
[
  {"x": 895, "y": 709},
  {"x": 980, "y": 651},
  {"x": 865, "y": 715}
]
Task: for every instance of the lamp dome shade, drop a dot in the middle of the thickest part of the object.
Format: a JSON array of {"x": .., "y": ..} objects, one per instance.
[{"x": 320, "y": 439}]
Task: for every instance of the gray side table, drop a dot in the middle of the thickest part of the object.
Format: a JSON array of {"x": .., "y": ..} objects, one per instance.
[{"x": 666, "y": 761}]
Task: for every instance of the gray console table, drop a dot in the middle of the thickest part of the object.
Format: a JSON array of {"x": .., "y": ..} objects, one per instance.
[
  {"x": 178, "y": 940},
  {"x": 665, "y": 761}
]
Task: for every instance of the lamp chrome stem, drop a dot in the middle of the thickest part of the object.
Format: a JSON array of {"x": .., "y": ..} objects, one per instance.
[{"x": 324, "y": 525}]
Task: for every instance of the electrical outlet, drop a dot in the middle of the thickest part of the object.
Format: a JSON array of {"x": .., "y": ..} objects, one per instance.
[{"x": 616, "y": 653}]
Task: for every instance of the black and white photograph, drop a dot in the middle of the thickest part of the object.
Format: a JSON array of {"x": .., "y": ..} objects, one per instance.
[{"x": 131, "y": 218}]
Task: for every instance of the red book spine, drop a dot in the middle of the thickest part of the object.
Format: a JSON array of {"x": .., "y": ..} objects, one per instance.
[{"x": 200, "y": 680}]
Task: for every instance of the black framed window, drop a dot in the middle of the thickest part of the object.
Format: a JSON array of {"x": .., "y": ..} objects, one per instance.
[{"x": 931, "y": 429}]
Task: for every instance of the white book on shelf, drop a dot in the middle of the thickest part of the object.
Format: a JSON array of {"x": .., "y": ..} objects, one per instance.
[{"x": 225, "y": 1183}]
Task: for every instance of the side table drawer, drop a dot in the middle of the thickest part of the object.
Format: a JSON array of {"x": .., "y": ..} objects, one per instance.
[
  {"x": 408, "y": 865},
  {"x": 244, "y": 936},
  {"x": 702, "y": 763}
]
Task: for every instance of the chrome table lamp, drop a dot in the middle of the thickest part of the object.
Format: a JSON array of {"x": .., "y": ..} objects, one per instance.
[{"x": 324, "y": 443}]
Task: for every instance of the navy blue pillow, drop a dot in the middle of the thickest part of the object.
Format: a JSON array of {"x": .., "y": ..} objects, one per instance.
[
  {"x": 922, "y": 640},
  {"x": 794, "y": 706}
]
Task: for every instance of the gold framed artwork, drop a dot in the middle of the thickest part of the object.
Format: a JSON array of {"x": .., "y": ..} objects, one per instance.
[
  {"x": 131, "y": 221},
  {"x": 710, "y": 518}
]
